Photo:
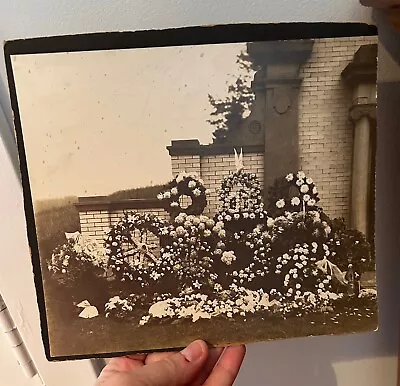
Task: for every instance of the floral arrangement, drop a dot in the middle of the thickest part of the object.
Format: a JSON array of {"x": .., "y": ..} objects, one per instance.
[
  {"x": 236, "y": 301},
  {"x": 295, "y": 192},
  {"x": 121, "y": 308},
  {"x": 196, "y": 242},
  {"x": 183, "y": 258},
  {"x": 351, "y": 248},
  {"x": 184, "y": 184},
  {"x": 134, "y": 258},
  {"x": 289, "y": 259},
  {"x": 240, "y": 194},
  {"x": 77, "y": 257}
]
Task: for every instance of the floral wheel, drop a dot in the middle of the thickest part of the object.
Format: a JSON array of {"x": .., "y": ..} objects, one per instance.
[
  {"x": 294, "y": 193},
  {"x": 184, "y": 194},
  {"x": 134, "y": 244}
]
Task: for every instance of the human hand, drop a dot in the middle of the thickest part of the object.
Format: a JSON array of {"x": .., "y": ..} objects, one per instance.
[{"x": 196, "y": 365}]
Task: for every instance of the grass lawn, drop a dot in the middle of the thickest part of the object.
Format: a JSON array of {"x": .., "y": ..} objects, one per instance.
[{"x": 104, "y": 335}]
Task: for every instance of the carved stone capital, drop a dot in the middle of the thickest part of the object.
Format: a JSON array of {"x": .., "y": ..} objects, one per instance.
[{"x": 359, "y": 111}]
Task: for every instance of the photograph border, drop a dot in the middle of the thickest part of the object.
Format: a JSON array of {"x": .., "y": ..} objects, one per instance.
[{"x": 219, "y": 34}]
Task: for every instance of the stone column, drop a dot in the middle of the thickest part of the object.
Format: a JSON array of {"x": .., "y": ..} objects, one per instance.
[
  {"x": 360, "y": 74},
  {"x": 276, "y": 86},
  {"x": 362, "y": 189}
]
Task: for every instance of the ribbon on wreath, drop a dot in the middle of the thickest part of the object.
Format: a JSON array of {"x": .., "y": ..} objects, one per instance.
[
  {"x": 239, "y": 160},
  {"x": 328, "y": 267}
]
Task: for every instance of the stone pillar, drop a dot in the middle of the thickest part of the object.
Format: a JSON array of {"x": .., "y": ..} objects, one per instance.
[
  {"x": 360, "y": 75},
  {"x": 276, "y": 86}
]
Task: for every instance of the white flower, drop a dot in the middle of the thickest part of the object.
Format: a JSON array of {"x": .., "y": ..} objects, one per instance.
[
  {"x": 222, "y": 233},
  {"x": 311, "y": 202},
  {"x": 228, "y": 257},
  {"x": 207, "y": 233},
  {"x": 295, "y": 201},
  {"x": 301, "y": 175},
  {"x": 155, "y": 275},
  {"x": 252, "y": 216},
  {"x": 218, "y": 287},
  {"x": 191, "y": 184},
  {"x": 304, "y": 188},
  {"x": 167, "y": 195},
  {"x": 289, "y": 177},
  {"x": 197, "y": 285},
  {"x": 174, "y": 191},
  {"x": 306, "y": 197},
  {"x": 174, "y": 204},
  {"x": 309, "y": 180},
  {"x": 270, "y": 222},
  {"x": 160, "y": 196},
  {"x": 64, "y": 271},
  {"x": 180, "y": 231},
  {"x": 197, "y": 192},
  {"x": 180, "y": 177},
  {"x": 315, "y": 190},
  {"x": 280, "y": 203}
]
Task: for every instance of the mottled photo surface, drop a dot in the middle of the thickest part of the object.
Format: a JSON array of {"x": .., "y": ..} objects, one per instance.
[{"x": 221, "y": 191}]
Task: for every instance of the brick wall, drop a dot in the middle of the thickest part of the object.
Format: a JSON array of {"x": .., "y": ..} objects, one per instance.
[
  {"x": 325, "y": 131},
  {"x": 325, "y": 140},
  {"x": 189, "y": 163},
  {"x": 96, "y": 222},
  {"x": 213, "y": 168}
]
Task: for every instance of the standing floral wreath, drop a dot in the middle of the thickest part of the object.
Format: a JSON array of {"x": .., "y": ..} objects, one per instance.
[
  {"x": 294, "y": 193},
  {"x": 184, "y": 185},
  {"x": 133, "y": 256},
  {"x": 240, "y": 197}
]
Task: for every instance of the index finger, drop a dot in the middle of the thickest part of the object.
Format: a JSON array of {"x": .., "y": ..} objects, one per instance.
[{"x": 227, "y": 368}]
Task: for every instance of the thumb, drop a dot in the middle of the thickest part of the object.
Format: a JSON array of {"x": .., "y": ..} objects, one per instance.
[{"x": 178, "y": 369}]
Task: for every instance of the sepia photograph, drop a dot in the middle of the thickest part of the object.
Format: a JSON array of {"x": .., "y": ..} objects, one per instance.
[{"x": 216, "y": 191}]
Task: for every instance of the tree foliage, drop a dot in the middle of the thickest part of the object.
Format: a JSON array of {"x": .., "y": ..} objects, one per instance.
[{"x": 228, "y": 112}]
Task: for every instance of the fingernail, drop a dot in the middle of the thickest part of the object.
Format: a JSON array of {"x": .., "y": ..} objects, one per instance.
[{"x": 193, "y": 352}]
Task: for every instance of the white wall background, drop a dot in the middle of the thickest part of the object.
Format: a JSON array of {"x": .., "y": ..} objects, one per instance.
[{"x": 367, "y": 359}]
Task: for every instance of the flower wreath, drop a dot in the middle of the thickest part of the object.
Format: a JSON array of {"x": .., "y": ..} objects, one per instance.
[
  {"x": 247, "y": 203},
  {"x": 121, "y": 235},
  {"x": 294, "y": 193},
  {"x": 184, "y": 185}
]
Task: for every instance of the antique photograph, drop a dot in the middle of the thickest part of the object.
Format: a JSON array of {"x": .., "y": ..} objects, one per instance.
[{"x": 218, "y": 191}]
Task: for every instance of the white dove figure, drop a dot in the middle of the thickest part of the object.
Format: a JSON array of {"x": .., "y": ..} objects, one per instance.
[{"x": 239, "y": 160}]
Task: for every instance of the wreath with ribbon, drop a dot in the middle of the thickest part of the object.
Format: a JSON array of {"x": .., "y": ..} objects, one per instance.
[
  {"x": 240, "y": 196},
  {"x": 184, "y": 184}
]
